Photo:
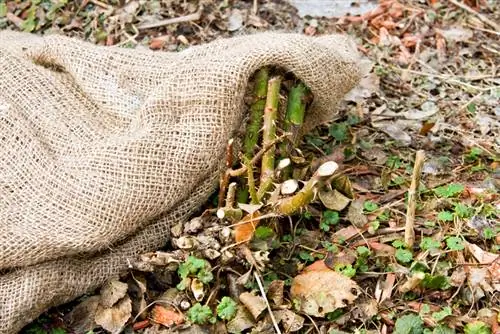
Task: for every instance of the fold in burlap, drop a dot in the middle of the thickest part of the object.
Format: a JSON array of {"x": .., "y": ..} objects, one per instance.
[{"x": 102, "y": 148}]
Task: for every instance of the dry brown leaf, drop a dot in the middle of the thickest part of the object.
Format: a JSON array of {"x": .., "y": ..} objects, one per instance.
[
  {"x": 322, "y": 291},
  {"x": 113, "y": 319},
  {"x": 458, "y": 276},
  {"x": 82, "y": 318},
  {"x": 166, "y": 316},
  {"x": 291, "y": 321},
  {"x": 355, "y": 214},
  {"x": 275, "y": 291},
  {"x": 111, "y": 292},
  {"x": 486, "y": 258},
  {"x": 245, "y": 229},
  {"x": 243, "y": 320},
  {"x": 255, "y": 304},
  {"x": 346, "y": 233},
  {"x": 333, "y": 199},
  {"x": 381, "y": 249},
  {"x": 384, "y": 289},
  {"x": 412, "y": 282}
]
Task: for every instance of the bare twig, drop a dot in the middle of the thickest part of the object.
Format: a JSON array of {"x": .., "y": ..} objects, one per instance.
[
  {"x": 448, "y": 79},
  {"x": 191, "y": 17},
  {"x": 263, "y": 293},
  {"x": 479, "y": 15},
  {"x": 412, "y": 193},
  {"x": 231, "y": 194},
  {"x": 255, "y": 7},
  {"x": 100, "y": 4},
  {"x": 484, "y": 30}
]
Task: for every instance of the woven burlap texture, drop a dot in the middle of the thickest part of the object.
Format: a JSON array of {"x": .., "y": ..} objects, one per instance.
[{"x": 102, "y": 148}]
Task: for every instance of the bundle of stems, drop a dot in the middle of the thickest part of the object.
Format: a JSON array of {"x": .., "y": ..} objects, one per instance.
[{"x": 269, "y": 138}]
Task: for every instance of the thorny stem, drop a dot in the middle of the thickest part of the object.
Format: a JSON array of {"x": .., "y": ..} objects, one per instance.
[
  {"x": 291, "y": 205},
  {"x": 242, "y": 170},
  {"x": 294, "y": 118},
  {"x": 251, "y": 181},
  {"x": 268, "y": 135},
  {"x": 254, "y": 124},
  {"x": 295, "y": 110}
]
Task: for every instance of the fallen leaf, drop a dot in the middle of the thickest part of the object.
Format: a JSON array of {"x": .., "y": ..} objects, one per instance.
[
  {"x": 346, "y": 233},
  {"x": 290, "y": 320},
  {"x": 316, "y": 266},
  {"x": 254, "y": 304},
  {"x": 323, "y": 291},
  {"x": 355, "y": 214},
  {"x": 333, "y": 199},
  {"x": 113, "y": 319},
  {"x": 141, "y": 325},
  {"x": 456, "y": 34},
  {"x": 383, "y": 289},
  {"x": 483, "y": 257},
  {"x": 242, "y": 321},
  {"x": 412, "y": 282},
  {"x": 81, "y": 319},
  {"x": 275, "y": 291},
  {"x": 245, "y": 229},
  {"x": 166, "y": 316},
  {"x": 381, "y": 249},
  {"x": 111, "y": 292},
  {"x": 235, "y": 20},
  {"x": 366, "y": 87}
]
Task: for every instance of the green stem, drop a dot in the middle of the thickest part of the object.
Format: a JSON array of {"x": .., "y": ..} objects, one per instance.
[
  {"x": 295, "y": 109},
  {"x": 294, "y": 118},
  {"x": 256, "y": 112},
  {"x": 251, "y": 181},
  {"x": 269, "y": 135},
  {"x": 254, "y": 125}
]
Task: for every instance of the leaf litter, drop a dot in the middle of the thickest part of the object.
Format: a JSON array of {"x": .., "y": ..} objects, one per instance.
[{"x": 341, "y": 264}]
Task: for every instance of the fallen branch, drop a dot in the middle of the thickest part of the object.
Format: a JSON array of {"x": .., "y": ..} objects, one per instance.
[
  {"x": 412, "y": 194},
  {"x": 187, "y": 18}
]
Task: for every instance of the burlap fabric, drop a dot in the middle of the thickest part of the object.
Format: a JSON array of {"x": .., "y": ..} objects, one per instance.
[{"x": 102, "y": 148}]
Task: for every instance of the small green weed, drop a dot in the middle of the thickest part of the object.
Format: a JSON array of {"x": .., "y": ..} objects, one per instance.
[{"x": 200, "y": 314}]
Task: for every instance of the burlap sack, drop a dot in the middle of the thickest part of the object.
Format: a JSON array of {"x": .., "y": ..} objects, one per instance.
[{"x": 102, "y": 148}]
